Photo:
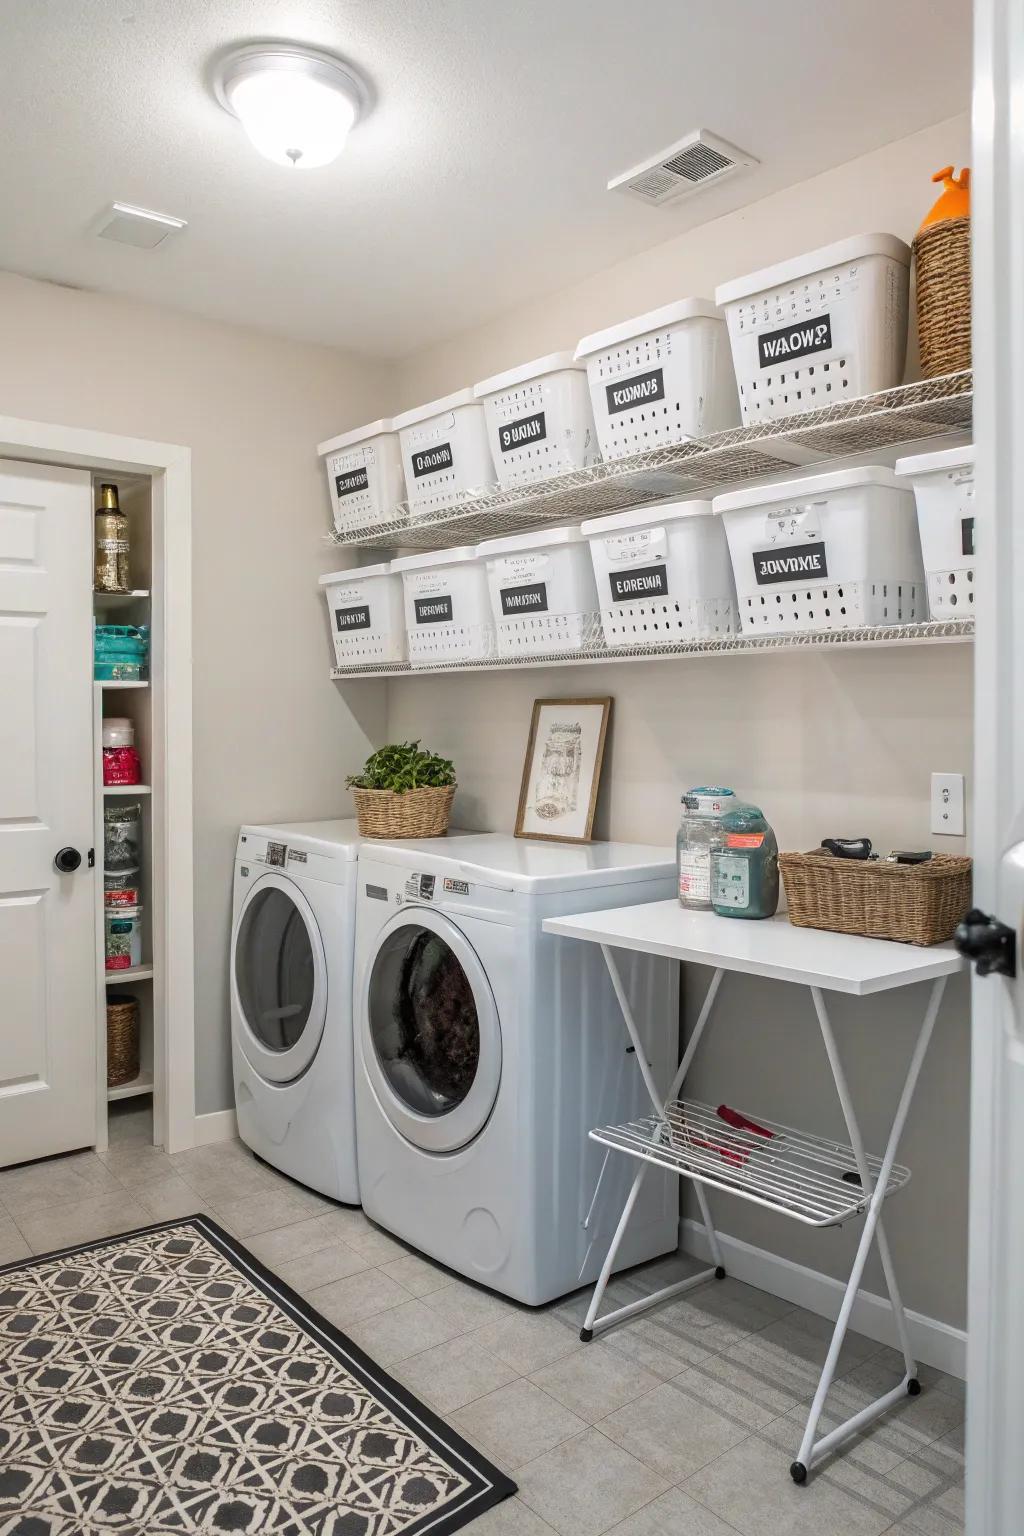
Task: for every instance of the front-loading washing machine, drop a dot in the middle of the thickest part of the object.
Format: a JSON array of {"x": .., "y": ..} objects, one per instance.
[
  {"x": 292, "y": 943},
  {"x": 486, "y": 1050}
]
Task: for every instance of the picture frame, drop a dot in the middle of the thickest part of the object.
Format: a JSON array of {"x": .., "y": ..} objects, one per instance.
[{"x": 562, "y": 770}]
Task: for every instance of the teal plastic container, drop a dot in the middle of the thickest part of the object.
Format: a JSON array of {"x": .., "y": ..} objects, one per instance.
[{"x": 745, "y": 867}]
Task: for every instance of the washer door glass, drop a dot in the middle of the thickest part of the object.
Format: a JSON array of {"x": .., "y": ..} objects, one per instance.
[{"x": 279, "y": 979}]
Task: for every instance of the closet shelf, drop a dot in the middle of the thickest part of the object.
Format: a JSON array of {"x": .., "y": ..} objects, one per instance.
[
  {"x": 118, "y": 599},
  {"x": 141, "y": 1084},
  {"x": 125, "y": 977},
  {"x": 912, "y": 412},
  {"x": 127, "y": 789},
  {"x": 809, "y": 1178},
  {"x": 99, "y": 683}
]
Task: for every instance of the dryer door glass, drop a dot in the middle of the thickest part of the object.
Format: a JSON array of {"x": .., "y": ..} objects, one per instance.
[
  {"x": 274, "y": 969},
  {"x": 423, "y": 1021}
]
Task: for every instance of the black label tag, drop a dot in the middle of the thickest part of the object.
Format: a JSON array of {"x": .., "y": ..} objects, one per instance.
[
  {"x": 799, "y": 562},
  {"x": 456, "y": 887},
  {"x": 352, "y": 618},
  {"x": 433, "y": 610},
  {"x": 528, "y": 429},
  {"x": 648, "y": 581},
  {"x": 640, "y": 390},
  {"x": 432, "y": 459},
  {"x": 351, "y": 481},
  {"x": 967, "y": 535},
  {"x": 795, "y": 341},
  {"x": 532, "y": 599}
]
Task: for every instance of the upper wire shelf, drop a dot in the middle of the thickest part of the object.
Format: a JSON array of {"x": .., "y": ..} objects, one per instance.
[{"x": 930, "y": 408}]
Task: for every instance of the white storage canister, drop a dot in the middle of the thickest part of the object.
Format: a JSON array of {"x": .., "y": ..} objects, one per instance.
[
  {"x": 539, "y": 420},
  {"x": 819, "y": 329},
  {"x": 944, "y": 491},
  {"x": 661, "y": 378},
  {"x": 447, "y": 607},
  {"x": 663, "y": 573},
  {"x": 833, "y": 551},
  {"x": 444, "y": 452},
  {"x": 364, "y": 476},
  {"x": 366, "y": 615},
  {"x": 542, "y": 591}
]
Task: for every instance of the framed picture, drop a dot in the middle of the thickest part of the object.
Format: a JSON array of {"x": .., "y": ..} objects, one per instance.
[{"x": 562, "y": 769}]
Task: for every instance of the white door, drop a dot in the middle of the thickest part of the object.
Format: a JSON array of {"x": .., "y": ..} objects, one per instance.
[{"x": 47, "y": 934}]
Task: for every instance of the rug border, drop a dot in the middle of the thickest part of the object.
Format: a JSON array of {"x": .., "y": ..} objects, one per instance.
[{"x": 489, "y": 1486}]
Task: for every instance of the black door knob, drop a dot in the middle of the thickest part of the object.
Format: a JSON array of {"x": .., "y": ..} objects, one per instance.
[
  {"x": 988, "y": 942},
  {"x": 67, "y": 860}
]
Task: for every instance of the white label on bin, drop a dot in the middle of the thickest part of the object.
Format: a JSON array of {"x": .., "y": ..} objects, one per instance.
[
  {"x": 798, "y": 563},
  {"x": 643, "y": 388},
  {"x": 350, "y": 482},
  {"x": 640, "y": 548},
  {"x": 517, "y": 434},
  {"x": 430, "y": 460},
  {"x": 795, "y": 341},
  {"x": 648, "y": 581},
  {"x": 352, "y": 618},
  {"x": 433, "y": 610}
]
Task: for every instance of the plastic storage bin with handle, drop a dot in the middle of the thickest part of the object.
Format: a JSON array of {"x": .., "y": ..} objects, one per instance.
[
  {"x": 835, "y": 551},
  {"x": 660, "y": 378},
  {"x": 539, "y": 420},
  {"x": 447, "y": 607},
  {"x": 366, "y": 615},
  {"x": 819, "y": 329},
  {"x": 444, "y": 453},
  {"x": 364, "y": 476},
  {"x": 663, "y": 573},
  {"x": 542, "y": 591},
  {"x": 943, "y": 485}
]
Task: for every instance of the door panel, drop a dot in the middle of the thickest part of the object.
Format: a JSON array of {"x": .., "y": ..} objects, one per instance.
[{"x": 47, "y": 935}]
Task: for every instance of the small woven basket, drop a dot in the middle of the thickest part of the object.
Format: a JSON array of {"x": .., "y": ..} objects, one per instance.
[
  {"x": 415, "y": 813},
  {"x": 914, "y": 903},
  {"x": 942, "y": 258},
  {"x": 122, "y": 1039}
]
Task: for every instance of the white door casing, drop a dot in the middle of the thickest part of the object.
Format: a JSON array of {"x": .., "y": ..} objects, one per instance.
[{"x": 47, "y": 933}]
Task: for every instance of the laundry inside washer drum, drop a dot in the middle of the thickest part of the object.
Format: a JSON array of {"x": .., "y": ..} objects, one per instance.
[{"x": 428, "y": 1037}]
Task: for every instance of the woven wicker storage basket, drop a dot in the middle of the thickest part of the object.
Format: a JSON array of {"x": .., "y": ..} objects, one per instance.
[
  {"x": 915, "y": 903},
  {"x": 416, "y": 813},
  {"x": 122, "y": 1039},
  {"x": 942, "y": 260}
]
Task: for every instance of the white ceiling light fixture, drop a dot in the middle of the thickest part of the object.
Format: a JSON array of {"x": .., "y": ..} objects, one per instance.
[{"x": 296, "y": 104}]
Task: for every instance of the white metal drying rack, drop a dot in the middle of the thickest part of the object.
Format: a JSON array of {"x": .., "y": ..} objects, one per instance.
[{"x": 808, "y": 1178}]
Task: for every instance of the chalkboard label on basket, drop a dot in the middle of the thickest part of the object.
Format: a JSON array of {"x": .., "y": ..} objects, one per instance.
[
  {"x": 967, "y": 535},
  {"x": 352, "y": 618},
  {"x": 642, "y": 389},
  {"x": 350, "y": 482},
  {"x": 432, "y": 459},
  {"x": 799, "y": 562},
  {"x": 433, "y": 610},
  {"x": 517, "y": 434},
  {"x": 532, "y": 599},
  {"x": 632, "y": 586},
  {"x": 795, "y": 341}
]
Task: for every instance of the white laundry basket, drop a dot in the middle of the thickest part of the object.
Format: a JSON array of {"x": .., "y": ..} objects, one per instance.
[
  {"x": 444, "y": 452},
  {"x": 364, "y": 476},
  {"x": 819, "y": 329},
  {"x": 833, "y": 551},
  {"x": 663, "y": 573},
  {"x": 944, "y": 491},
  {"x": 542, "y": 591},
  {"x": 367, "y": 615},
  {"x": 539, "y": 420},
  {"x": 661, "y": 378},
  {"x": 447, "y": 607}
]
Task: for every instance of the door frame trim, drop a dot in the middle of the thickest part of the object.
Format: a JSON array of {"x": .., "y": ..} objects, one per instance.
[{"x": 169, "y": 466}]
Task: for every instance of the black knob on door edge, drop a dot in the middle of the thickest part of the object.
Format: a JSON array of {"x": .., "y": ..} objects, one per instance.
[
  {"x": 67, "y": 860},
  {"x": 988, "y": 942}
]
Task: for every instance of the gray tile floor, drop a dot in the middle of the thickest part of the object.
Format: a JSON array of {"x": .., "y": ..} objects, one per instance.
[{"x": 680, "y": 1423}]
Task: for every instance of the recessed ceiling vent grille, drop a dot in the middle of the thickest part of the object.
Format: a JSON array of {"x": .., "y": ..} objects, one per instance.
[{"x": 699, "y": 160}]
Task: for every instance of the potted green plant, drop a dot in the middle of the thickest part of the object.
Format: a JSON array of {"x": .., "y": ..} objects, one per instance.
[{"x": 403, "y": 791}]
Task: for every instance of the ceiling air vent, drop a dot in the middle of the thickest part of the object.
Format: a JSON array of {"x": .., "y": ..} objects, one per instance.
[
  {"x": 140, "y": 227},
  {"x": 699, "y": 160}
]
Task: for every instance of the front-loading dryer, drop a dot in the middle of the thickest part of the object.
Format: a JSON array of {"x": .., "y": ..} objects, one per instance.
[
  {"x": 486, "y": 1050},
  {"x": 292, "y": 943}
]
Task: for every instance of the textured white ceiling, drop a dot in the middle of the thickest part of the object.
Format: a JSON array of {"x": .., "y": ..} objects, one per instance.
[{"x": 477, "y": 182}]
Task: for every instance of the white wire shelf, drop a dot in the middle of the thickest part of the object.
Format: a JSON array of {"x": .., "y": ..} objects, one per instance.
[
  {"x": 931, "y": 408},
  {"x": 809, "y": 1178}
]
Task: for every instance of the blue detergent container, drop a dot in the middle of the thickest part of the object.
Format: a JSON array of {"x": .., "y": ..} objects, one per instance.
[{"x": 745, "y": 866}]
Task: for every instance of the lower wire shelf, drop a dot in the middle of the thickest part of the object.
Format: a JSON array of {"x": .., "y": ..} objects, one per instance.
[{"x": 809, "y": 1178}]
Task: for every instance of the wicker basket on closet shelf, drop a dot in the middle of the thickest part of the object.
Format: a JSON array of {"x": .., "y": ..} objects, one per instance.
[
  {"x": 942, "y": 266},
  {"x": 415, "y": 813},
  {"x": 914, "y": 903},
  {"x": 122, "y": 1039}
]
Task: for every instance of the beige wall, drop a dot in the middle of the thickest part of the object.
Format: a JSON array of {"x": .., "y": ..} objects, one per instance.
[
  {"x": 273, "y": 739},
  {"x": 827, "y": 744}
]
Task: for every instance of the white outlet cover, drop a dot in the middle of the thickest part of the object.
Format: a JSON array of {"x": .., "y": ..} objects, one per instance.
[{"x": 947, "y": 817}]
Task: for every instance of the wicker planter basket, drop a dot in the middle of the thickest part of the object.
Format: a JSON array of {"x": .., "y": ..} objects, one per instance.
[
  {"x": 942, "y": 259},
  {"x": 122, "y": 1039},
  {"x": 915, "y": 903},
  {"x": 416, "y": 813}
]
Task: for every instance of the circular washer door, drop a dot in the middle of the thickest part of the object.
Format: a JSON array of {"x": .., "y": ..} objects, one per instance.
[
  {"x": 278, "y": 979},
  {"x": 430, "y": 1034}
]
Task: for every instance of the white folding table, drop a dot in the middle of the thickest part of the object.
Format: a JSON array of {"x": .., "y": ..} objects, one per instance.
[{"x": 805, "y": 1177}]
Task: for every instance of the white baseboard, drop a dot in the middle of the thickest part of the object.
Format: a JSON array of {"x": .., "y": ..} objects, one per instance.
[
  {"x": 219, "y": 1126},
  {"x": 934, "y": 1342}
]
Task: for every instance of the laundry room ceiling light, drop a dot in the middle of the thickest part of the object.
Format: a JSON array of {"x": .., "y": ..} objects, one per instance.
[{"x": 296, "y": 104}]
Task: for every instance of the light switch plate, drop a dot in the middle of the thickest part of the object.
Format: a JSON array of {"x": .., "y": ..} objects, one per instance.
[{"x": 948, "y": 804}]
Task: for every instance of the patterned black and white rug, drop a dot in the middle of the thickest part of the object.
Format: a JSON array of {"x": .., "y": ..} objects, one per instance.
[{"x": 165, "y": 1381}]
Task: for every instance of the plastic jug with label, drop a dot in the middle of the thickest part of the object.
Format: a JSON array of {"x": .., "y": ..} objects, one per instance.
[
  {"x": 745, "y": 865},
  {"x": 699, "y": 833}
]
